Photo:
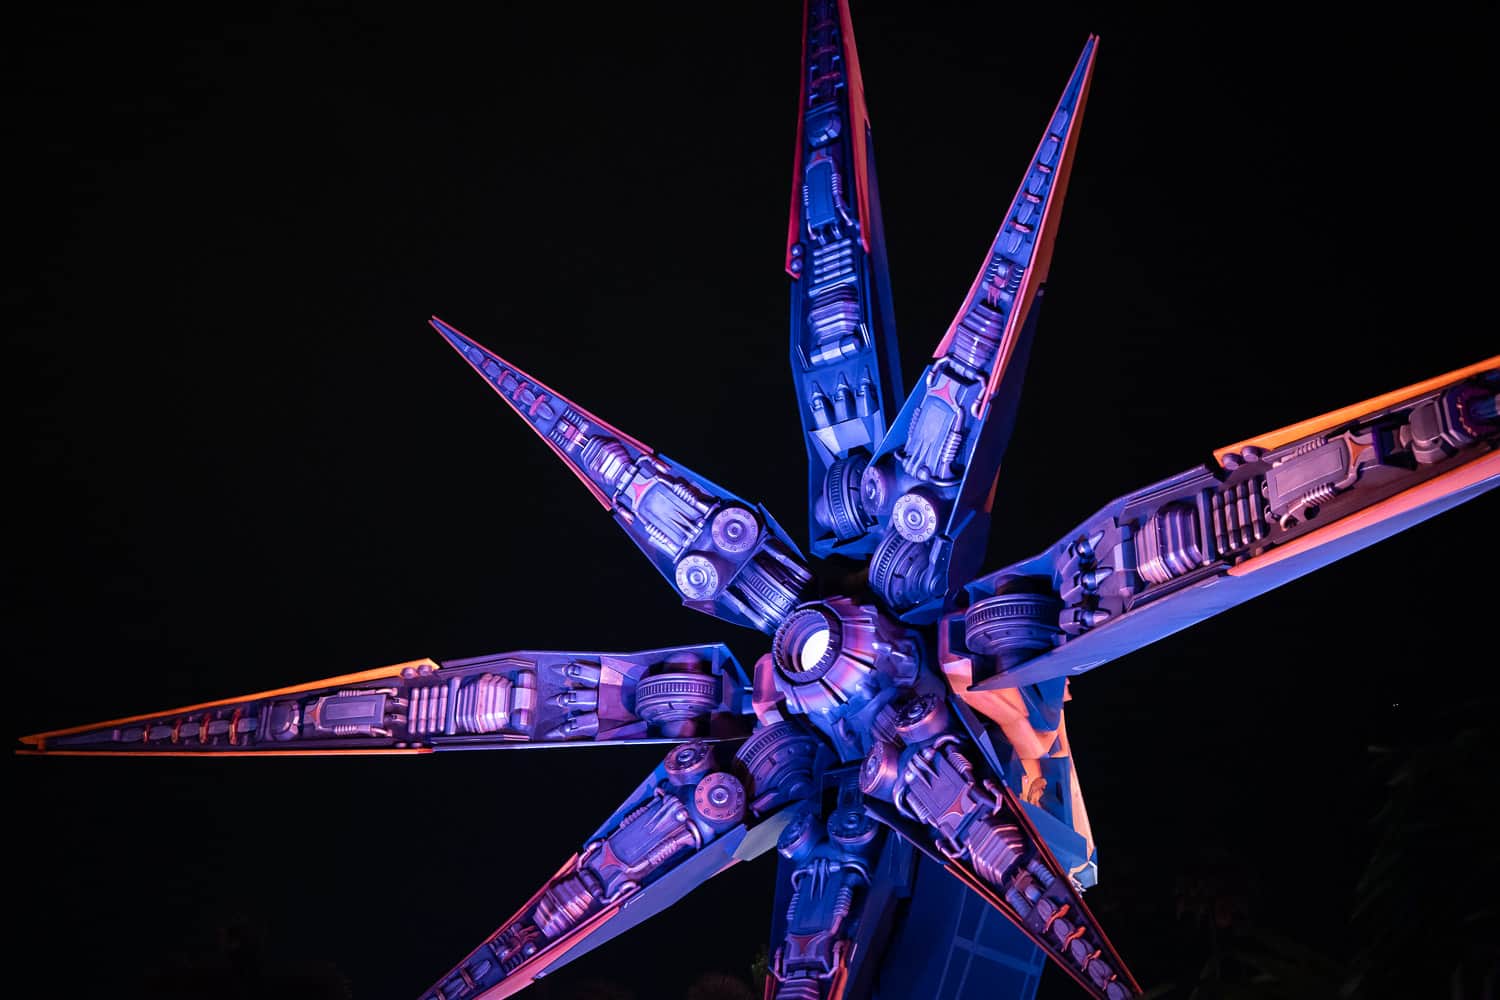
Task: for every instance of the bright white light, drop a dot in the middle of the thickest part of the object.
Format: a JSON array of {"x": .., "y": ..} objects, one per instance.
[{"x": 813, "y": 648}]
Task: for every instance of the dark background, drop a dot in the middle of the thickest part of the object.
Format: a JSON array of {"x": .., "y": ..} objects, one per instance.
[{"x": 242, "y": 460}]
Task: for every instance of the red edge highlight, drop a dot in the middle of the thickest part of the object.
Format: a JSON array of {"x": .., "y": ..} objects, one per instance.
[
  {"x": 1042, "y": 255},
  {"x": 39, "y": 740},
  {"x": 437, "y": 324},
  {"x": 791, "y": 220}
]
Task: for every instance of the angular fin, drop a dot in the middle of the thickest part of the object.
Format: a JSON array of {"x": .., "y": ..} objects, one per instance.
[
  {"x": 688, "y": 821},
  {"x": 931, "y": 482},
  {"x": 722, "y": 556},
  {"x": 846, "y": 367},
  {"x": 521, "y": 699},
  {"x": 1261, "y": 513}
]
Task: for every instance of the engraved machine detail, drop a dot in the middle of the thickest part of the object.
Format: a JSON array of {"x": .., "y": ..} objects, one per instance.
[{"x": 901, "y": 743}]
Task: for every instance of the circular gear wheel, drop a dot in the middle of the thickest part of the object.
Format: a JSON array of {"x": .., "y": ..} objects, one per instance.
[
  {"x": 1013, "y": 627},
  {"x": 841, "y": 496}
]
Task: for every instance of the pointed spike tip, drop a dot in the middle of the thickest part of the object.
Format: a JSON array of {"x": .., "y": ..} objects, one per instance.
[
  {"x": 494, "y": 369},
  {"x": 473, "y": 352},
  {"x": 443, "y": 328},
  {"x": 448, "y": 332}
]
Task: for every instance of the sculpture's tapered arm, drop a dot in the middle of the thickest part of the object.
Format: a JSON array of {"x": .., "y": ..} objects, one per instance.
[
  {"x": 930, "y": 783},
  {"x": 845, "y": 364},
  {"x": 930, "y": 485},
  {"x": 722, "y": 556},
  {"x": 689, "y": 820},
  {"x": 521, "y": 699},
  {"x": 1264, "y": 511}
]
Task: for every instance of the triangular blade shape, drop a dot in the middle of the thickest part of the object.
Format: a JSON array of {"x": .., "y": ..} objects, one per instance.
[
  {"x": 846, "y": 367},
  {"x": 521, "y": 699},
  {"x": 692, "y": 818},
  {"x": 931, "y": 483},
  {"x": 721, "y": 555},
  {"x": 1260, "y": 514}
]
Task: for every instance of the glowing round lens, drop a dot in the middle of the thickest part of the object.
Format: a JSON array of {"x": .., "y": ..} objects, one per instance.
[{"x": 813, "y": 648}]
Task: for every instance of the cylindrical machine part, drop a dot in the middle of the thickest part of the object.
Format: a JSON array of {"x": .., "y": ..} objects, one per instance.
[
  {"x": 1012, "y": 627},
  {"x": 808, "y": 642},
  {"x": 995, "y": 848},
  {"x": 898, "y": 572},
  {"x": 976, "y": 337},
  {"x": 777, "y": 763},
  {"x": 484, "y": 704},
  {"x": 698, "y": 576},
  {"x": 921, "y": 717},
  {"x": 607, "y": 459},
  {"x": 915, "y": 515},
  {"x": 688, "y": 762},
  {"x": 880, "y": 771},
  {"x": 799, "y": 989},
  {"x": 1167, "y": 544},
  {"x": 562, "y": 906},
  {"x": 677, "y": 702},
  {"x": 770, "y": 585},
  {"x": 841, "y": 496},
  {"x": 720, "y": 799},
  {"x": 734, "y": 529},
  {"x": 850, "y": 828},
  {"x": 800, "y": 836}
]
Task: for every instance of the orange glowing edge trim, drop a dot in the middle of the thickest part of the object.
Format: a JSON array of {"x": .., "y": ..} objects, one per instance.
[
  {"x": 39, "y": 740},
  {"x": 1316, "y": 425},
  {"x": 1450, "y": 482}
]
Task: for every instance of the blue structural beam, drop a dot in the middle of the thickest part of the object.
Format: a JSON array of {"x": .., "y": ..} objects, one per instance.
[
  {"x": 929, "y": 487},
  {"x": 524, "y": 698},
  {"x": 1265, "y": 512},
  {"x": 846, "y": 368},
  {"x": 721, "y": 555}
]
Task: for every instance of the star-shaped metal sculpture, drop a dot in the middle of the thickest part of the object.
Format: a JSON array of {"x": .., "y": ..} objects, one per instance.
[{"x": 901, "y": 745}]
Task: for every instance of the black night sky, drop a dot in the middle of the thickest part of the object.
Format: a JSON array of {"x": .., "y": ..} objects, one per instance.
[{"x": 242, "y": 460}]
